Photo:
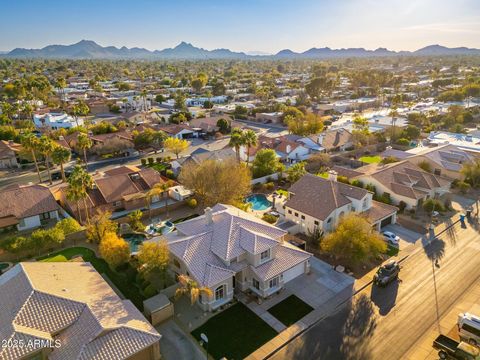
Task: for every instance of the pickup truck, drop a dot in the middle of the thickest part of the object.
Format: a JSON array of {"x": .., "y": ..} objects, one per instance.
[{"x": 449, "y": 348}]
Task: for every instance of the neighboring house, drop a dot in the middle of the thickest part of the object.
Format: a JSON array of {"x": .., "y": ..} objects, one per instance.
[
  {"x": 201, "y": 154},
  {"x": 315, "y": 203},
  {"x": 446, "y": 160},
  {"x": 288, "y": 150},
  {"x": 404, "y": 181},
  {"x": 27, "y": 207},
  {"x": 66, "y": 310},
  {"x": 269, "y": 118},
  {"x": 179, "y": 131},
  {"x": 9, "y": 154},
  {"x": 466, "y": 142},
  {"x": 230, "y": 250},
  {"x": 335, "y": 140},
  {"x": 119, "y": 190},
  {"x": 56, "y": 121}
]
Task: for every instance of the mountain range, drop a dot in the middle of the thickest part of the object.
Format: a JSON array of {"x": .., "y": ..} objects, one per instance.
[{"x": 88, "y": 49}]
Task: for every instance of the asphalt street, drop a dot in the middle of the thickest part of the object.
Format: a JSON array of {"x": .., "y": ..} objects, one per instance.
[{"x": 386, "y": 323}]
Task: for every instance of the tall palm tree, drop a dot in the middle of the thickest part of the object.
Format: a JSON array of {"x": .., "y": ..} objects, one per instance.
[
  {"x": 191, "y": 288},
  {"x": 84, "y": 143},
  {"x": 46, "y": 148},
  {"x": 165, "y": 186},
  {"x": 394, "y": 114},
  {"x": 61, "y": 156},
  {"x": 249, "y": 140},
  {"x": 236, "y": 140},
  {"x": 80, "y": 181},
  {"x": 73, "y": 195},
  {"x": 31, "y": 143}
]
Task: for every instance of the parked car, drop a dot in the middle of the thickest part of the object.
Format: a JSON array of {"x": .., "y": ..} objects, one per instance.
[
  {"x": 391, "y": 238},
  {"x": 449, "y": 348},
  {"x": 386, "y": 274},
  {"x": 469, "y": 328}
]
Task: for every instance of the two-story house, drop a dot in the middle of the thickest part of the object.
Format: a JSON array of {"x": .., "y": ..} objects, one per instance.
[
  {"x": 315, "y": 203},
  {"x": 229, "y": 250}
]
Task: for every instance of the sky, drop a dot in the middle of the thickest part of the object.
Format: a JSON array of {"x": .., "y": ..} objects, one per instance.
[{"x": 242, "y": 25}]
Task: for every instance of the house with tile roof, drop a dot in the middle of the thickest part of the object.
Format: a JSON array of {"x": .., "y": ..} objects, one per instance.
[
  {"x": 404, "y": 181},
  {"x": 27, "y": 206},
  {"x": 68, "y": 311},
  {"x": 229, "y": 250},
  {"x": 316, "y": 203},
  {"x": 334, "y": 140},
  {"x": 119, "y": 190},
  {"x": 9, "y": 154}
]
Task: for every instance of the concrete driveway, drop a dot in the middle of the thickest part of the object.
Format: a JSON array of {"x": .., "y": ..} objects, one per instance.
[
  {"x": 176, "y": 344},
  {"x": 321, "y": 285},
  {"x": 407, "y": 236}
]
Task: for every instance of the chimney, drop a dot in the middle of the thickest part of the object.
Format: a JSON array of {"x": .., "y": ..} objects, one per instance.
[
  {"x": 320, "y": 139},
  {"x": 332, "y": 175},
  {"x": 208, "y": 216}
]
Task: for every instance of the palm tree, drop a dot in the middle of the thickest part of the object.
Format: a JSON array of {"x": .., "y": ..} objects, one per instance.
[
  {"x": 46, "y": 148},
  {"x": 73, "y": 195},
  {"x": 394, "y": 114},
  {"x": 61, "y": 156},
  {"x": 249, "y": 140},
  {"x": 30, "y": 142},
  {"x": 80, "y": 109},
  {"x": 236, "y": 140},
  {"x": 80, "y": 182},
  {"x": 165, "y": 186},
  {"x": 84, "y": 143},
  {"x": 190, "y": 287}
]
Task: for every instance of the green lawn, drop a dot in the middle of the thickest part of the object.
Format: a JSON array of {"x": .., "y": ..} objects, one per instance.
[
  {"x": 371, "y": 159},
  {"x": 158, "y": 167},
  {"x": 290, "y": 310},
  {"x": 392, "y": 250},
  {"x": 125, "y": 282},
  {"x": 235, "y": 333}
]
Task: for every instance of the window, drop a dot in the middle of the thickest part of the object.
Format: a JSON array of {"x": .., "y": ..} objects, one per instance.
[
  {"x": 45, "y": 216},
  {"x": 303, "y": 217},
  {"x": 265, "y": 255},
  {"x": 329, "y": 221},
  {"x": 471, "y": 329},
  {"x": 274, "y": 282},
  {"x": 256, "y": 284},
  {"x": 21, "y": 223},
  {"x": 220, "y": 292},
  {"x": 437, "y": 171},
  {"x": 316, "y": 222},
  {"x": 296, "y": 214},
  {"x": 289, "y": 211},
  {"x": 117, "y": 203},
  {"x": 176, "y": 263}
]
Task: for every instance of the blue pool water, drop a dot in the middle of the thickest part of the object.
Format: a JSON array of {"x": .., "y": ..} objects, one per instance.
[
  {"x": 134, "y": 240},
  {"x": 258, "y": 201}
]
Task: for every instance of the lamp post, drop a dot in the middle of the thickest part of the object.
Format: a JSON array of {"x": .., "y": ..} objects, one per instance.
[{"x": 205, "y": 340}]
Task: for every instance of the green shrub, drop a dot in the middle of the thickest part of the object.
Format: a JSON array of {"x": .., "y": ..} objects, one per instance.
[
  {"x": 463, "y": 186},
  {"x": 150, "y": 161},
  {"x": 343, "y": 179},
  {"x": 192, "y": 203},
  {"x": 68, "y": 226},
  {"x": 425, "y": 166},
  {"x": 269, "y": 185},
  {"x": 150, "y": 291},
  {"x": 403, "y": 142},
  {"x": 269, "y": 218},
  {"x": 433, "y": 204},
  {"x": 169, "y": 174},
  {"x": 401, "y": 206},
  {"x": 144, "y": 162},
  {"x": 357, "y": 183},
  {"x": 389, "y": 160},
  {"x": 158, "y": 160}
]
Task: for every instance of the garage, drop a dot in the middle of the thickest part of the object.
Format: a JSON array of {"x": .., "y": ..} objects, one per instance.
[
  {"x": 294, "y": 272},
  {"x": 386, "y": 221}
]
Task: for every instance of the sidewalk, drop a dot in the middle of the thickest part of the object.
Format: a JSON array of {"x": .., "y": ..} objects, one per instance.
[{"x": 423, "y": 349}]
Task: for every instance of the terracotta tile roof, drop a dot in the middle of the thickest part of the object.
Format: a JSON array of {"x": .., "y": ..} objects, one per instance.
[
  {"x": 379, "y": 210},
  {"x": 114, "y": 188},
  {"x": 343, "y": 171},
  {"x": 318, "y": 197},
  {"x": 124, "y": 169},
  {"x": 72, "y": 302},
  {"x": 285, "y": 145},
  {"x": 24, "y": 201}
]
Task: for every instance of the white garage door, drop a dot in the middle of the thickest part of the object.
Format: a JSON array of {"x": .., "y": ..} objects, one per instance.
[{"x": 294, "y": 272}]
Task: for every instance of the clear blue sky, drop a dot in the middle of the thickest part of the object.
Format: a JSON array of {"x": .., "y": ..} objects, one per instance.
[{"x": 242, "y": 25}]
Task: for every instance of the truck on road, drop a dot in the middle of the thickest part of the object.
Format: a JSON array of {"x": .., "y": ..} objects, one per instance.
[{"x": 449, "y": 348}]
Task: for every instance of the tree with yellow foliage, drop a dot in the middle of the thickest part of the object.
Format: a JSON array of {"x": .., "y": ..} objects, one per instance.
[
  {"x": 114, "y": 250},
  {"x": 176, "y": 145}
]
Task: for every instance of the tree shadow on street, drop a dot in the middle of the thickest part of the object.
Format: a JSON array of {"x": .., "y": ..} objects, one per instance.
[
  {"x": 435, "y": 250},
  {"x": 385, "y": 298},
  {"x": 343, "y": 335},
  {"x": 451, "y": 232}
]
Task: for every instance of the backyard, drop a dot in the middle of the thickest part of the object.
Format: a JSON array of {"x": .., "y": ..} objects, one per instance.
[
  {"x": 124, "y": 280},
  {"x": 373, "y": 159},
  {"x": 235, "y": 333},
  {"x": 290, "y": 310}
]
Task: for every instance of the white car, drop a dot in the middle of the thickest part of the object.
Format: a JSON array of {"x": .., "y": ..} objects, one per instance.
[{"x": 391, "y": 238}]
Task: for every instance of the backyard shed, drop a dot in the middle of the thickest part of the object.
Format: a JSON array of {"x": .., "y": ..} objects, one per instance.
[{"x": 158, "y": 309}]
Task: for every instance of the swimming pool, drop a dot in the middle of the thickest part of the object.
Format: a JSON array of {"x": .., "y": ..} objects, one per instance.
[
  {"x": 134, "y": 240},
  {"x": 258, "y": 201}
]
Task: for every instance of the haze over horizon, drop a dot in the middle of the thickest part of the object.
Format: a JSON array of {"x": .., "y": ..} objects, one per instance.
[{"x": 266, "y": 26}]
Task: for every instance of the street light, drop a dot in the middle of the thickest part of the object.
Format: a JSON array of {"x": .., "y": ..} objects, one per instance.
[{"x": 205, "y": 340}]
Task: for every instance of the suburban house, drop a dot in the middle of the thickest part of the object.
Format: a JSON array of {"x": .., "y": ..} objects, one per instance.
[
  {"x": 229, "y": 250},
  {"x": 56, "y": 121},
  {"x": 335, "y": 140},
  {"x": 404, "y": 181},
  {"x": 287, "y": 150},
  {"x": 272, "y": 117},
  {"x": 27, "y": 207},
  {"x": 119, "y": 190},
  {"x": 200, "y": 155},
  {"x": 446, "y": 160},
  {"x": 315, "y": 203},
  {"x": 66, "y": 310},
  {"x": 9, "y": 154},
  {"x": 179, "y": 131}
]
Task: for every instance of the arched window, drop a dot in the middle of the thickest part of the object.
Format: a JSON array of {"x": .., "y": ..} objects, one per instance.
[{"x": 220, "y": 292}]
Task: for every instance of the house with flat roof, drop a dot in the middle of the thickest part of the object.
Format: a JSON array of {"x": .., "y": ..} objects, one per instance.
[
  {"x": 228, "y": 250},
  {"x": 56, "y": 121},
  {"x": 27, "y": 206},
  {"x": 66, "y": 310},
  {"x": 316, "y": 203}
]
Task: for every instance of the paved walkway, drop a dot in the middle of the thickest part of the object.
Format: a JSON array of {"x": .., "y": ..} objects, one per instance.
[{"x": 178, "y": 344}]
